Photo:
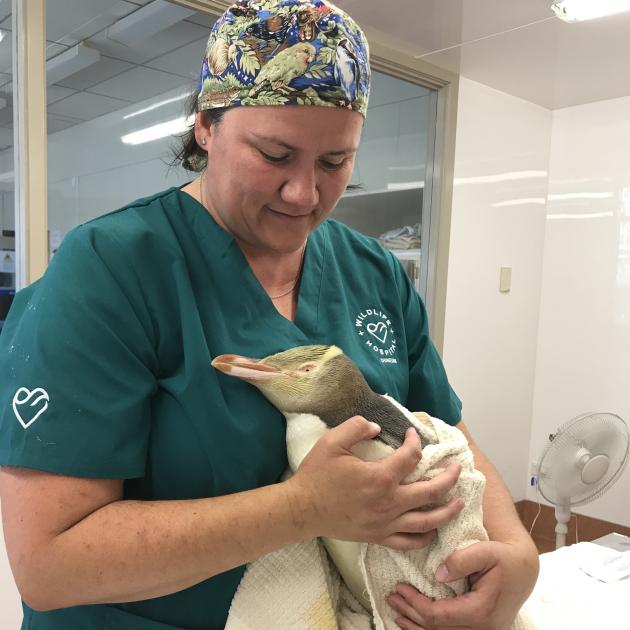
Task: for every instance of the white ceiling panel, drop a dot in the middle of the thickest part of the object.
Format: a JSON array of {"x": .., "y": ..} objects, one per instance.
[
  {"x": 55, "y": 93},
  {"x": 430, "y": 25},
  {"x": 6, "y": 138},
  {"x": 6, "y": 114},
  {"x": 71, "y": 21},
  {"x": 185, "y": 61},
  {"x": 138, "y": 84},
  {"x": 85, "y": 106},
  {"x": 552, "y": 63},
  {"x": 202, "y": 19},
  {"x": 59, "y": 123},
  {"x": 169, "y": 39},
  {"x": 101, "y": 71}
]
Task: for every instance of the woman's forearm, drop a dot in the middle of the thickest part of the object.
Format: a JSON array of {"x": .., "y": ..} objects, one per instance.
[{"x": 133, "y": 550}]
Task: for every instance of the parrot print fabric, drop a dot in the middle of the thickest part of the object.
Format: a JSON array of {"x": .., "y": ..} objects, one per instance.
[{"x": 285, "y": 52}]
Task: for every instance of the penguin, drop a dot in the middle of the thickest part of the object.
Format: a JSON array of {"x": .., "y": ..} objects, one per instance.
[{"x": 317, "y": 388}]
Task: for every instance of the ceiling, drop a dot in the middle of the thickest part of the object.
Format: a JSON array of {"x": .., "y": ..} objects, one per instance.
[
  {"x": 516, "y": 46},
  {"x": 123, "y": 76}
]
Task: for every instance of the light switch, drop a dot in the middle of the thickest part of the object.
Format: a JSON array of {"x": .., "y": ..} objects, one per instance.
[{"x": 505, "y": 279}]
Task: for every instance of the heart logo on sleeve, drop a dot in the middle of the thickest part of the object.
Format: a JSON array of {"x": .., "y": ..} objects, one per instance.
[
  {"x": 29, "y": 405},
  {"x": 378, "y": 330}
]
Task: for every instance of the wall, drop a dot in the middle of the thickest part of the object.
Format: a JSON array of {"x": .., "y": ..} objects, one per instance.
[
  {"x": 498, "y": 219},
  {"x": 584, "y": 340}
]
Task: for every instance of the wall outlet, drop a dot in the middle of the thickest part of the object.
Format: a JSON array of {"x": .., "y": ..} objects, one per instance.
[{"x": 533, "y": 471}]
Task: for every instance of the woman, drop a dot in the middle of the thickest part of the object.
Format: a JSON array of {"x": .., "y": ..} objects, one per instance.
[{"x": 137, "y": 481}]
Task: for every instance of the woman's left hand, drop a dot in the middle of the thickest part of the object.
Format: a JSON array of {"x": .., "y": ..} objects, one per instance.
[{"x": 502, "y": 575}]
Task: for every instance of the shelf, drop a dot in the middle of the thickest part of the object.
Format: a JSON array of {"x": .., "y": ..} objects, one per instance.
[{"x": 378, "y": 191}]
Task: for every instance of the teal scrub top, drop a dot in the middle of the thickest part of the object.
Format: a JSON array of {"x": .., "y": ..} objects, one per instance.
[{"x": 105, "y": 368}]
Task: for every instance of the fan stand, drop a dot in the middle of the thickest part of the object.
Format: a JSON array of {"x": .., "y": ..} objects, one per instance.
[{"x": 563, "y": 514}]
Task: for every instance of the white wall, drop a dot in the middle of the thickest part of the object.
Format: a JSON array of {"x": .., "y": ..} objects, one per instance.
[
  {"x": 501, "y": 162},
  {"x": 584, "y": 341}
]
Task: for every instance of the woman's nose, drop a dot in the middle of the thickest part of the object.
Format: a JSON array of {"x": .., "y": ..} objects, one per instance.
[{"x": 301, "y": 189}]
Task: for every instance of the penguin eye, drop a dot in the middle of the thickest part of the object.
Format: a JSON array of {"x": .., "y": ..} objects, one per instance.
[{"x": 308, "y": 367}]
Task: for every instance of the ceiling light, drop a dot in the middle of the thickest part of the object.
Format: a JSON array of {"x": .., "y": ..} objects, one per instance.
[
  {"x": 155, "y": 132},
  {"x": 69, "y": 62},
  {"x": 580, "y": 10},
  {"x": 146, "y": 21},
  {"x": 150, "y": 108}
]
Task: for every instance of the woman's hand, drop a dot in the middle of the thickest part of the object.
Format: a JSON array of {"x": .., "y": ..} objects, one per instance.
[
  {"x": 338, "y": 495},
  {"x": 502, "y": 576}
]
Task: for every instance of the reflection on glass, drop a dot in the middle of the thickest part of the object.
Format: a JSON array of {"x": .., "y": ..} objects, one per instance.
[
  {"x": 118, "y": 77},
  {"x": 7, "y": 203},
  {"x": 396, "y": 152},
  {"x": 623, "y": 265}
]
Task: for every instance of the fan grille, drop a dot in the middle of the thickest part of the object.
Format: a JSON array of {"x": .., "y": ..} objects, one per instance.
[{"x": 559, "y": 471}]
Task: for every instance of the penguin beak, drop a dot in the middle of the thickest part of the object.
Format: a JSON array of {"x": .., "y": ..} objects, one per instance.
[{"x": 245, "y": 368}]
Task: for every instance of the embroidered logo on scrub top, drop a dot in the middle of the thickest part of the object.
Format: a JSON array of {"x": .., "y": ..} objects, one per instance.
[
  {"x": 29, "y": 405},
  {"x": 375, "y": 329}
]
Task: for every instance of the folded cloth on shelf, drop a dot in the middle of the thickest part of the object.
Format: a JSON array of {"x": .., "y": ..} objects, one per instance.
[
  {"x": 299, "y": 587},
  {"x": 407, "y": 237}
]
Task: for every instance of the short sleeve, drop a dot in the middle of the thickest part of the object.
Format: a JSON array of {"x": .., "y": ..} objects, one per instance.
[
  {"x": 429, "y": 389},
  {"x": 77, "y": 365}
]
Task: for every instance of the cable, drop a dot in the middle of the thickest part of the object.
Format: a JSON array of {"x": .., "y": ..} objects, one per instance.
[
  {"x": 531, "y": 529},
  {"x": 577, "y": 539}
]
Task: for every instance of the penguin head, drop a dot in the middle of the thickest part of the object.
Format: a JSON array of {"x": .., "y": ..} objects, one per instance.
[{"x": 304, "y": 379}]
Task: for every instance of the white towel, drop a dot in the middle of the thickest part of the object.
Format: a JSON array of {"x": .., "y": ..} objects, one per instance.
[{"x": 299, "y": 588}]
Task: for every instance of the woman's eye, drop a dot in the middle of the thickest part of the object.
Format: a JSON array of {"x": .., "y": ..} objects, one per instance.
[
  {"x": 273, "y": 158},
  {"x": 332, "y": 166}
]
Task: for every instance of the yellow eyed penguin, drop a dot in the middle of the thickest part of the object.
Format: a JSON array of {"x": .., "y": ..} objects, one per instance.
[{"x": 317, "y": 388}]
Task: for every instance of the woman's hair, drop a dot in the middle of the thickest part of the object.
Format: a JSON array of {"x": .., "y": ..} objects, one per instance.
[{"x": 187, "y": 152}]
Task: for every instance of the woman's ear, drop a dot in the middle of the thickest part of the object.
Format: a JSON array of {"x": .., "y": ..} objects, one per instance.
[{"x": 202, "y": 131}]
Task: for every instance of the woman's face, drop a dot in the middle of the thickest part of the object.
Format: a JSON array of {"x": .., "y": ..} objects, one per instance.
[{"x": 275, "y": 173}]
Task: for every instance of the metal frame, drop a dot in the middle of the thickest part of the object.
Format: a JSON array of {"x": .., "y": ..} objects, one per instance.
[{"x": 30, "y": 139}]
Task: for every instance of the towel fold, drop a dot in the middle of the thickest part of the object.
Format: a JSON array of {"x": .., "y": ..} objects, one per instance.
[{"x": 300, "y": 588}]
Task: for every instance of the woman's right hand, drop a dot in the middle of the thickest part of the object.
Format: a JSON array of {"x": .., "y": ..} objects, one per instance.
[{"x": 341, "y": 496}]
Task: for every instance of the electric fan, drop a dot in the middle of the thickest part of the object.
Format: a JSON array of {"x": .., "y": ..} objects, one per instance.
[{"x": 582, "y": 460}]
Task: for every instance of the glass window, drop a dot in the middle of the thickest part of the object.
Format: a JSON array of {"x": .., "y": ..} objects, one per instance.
[
  {"x": 7, "y": 206},
  {"x": 118, "y": 79},
  {"x": 392, "y": 198}
]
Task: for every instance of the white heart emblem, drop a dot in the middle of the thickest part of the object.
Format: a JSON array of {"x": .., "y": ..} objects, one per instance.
[
  {"x": 378, "y": 330},
  {"x": 25, "y": 405}
]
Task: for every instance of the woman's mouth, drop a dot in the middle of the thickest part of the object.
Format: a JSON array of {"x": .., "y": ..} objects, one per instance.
[{"x": 287, "y": 216}]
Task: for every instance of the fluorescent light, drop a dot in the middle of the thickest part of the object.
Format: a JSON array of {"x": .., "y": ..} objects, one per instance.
[
  {"x": 541, "y": 201},
  {"x": 405, "y": 185},
  {"x": 593, "y": 215},
  {"x": 580, "y": 10},
  {"x": 69, "y": 62},
  {"x": 162, "y": 130},
  {"x": 156, "y": 105},
  {"x": 146, "y": 21},
  {"x": 583, "y": 195},
  {"x": 501, "y": 177}
]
